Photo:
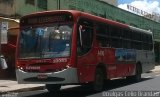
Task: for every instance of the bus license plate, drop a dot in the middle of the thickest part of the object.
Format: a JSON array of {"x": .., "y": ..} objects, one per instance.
[{"x": 42, "y": 76}]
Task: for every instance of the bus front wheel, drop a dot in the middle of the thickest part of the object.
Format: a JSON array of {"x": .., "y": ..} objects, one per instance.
[
  {"x": 53, "y": 87},
  {"x": 98, "y": 83}
]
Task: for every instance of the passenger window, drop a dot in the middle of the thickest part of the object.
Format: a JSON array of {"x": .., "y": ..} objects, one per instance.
[
  {"x": 116, "y": 34},
  {"x": 102, "y": 35},
  {"x": 84, "y": 36}
]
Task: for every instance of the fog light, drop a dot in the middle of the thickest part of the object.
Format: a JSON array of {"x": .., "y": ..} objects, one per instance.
[{"x": 68, "y": 65}]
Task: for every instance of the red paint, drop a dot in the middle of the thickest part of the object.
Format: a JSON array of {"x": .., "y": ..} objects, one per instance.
[{"x": 86, "y": 64}]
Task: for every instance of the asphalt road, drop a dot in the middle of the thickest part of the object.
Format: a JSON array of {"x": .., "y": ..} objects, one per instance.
[{"x": 148, "y": 87}]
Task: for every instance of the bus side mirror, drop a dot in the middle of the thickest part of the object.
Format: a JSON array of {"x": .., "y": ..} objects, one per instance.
[{"x": 3, "y": 63}]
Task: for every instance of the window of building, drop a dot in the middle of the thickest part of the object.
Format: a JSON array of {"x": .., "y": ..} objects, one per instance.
[
  {"x": 42, "y": 4},
  {"x": 32, "y": 2}
]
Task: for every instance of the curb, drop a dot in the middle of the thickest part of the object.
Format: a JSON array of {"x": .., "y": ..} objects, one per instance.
[{"x": 23, "y": 90}]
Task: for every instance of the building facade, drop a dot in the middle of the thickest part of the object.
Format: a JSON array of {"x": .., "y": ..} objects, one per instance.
[
  {"x": 14, "y": 8},
  {"x": 112, "y": 2},
  {"x": 7, "y": 8}
]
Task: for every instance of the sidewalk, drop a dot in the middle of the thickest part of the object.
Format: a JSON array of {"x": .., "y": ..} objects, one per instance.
[
  {"x": 157, "y": 69},
  {"x": 12, "y": 86}
]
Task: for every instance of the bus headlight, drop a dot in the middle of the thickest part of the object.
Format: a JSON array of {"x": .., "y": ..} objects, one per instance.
[{"x": 21, "y": 68}]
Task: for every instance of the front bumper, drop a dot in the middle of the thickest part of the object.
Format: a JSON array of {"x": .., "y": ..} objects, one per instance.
[{"x": 66, "y": 76}]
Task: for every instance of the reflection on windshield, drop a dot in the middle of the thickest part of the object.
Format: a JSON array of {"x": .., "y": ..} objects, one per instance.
[{"x": 46, "y": 42}]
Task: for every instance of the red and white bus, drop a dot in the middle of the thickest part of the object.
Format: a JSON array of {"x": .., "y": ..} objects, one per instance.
[{"x": 72, "y": 47}]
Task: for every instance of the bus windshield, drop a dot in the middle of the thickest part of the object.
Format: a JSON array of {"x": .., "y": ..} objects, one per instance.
[{"x": 49, "y": 41}]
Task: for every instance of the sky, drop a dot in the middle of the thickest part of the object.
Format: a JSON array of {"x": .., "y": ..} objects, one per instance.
[{"x": 150, "y": 6}]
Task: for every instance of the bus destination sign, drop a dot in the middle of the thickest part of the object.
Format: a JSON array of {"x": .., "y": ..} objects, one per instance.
[{"x": 46, "y": 19}]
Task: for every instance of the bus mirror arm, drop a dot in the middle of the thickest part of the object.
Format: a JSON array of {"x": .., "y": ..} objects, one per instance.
[{"x": 80, "y": 36}]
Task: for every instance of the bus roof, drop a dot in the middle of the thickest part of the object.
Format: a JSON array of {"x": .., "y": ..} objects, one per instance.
[
  {"x": 77, "y": 14},
  {"x": 140, "y": 30},
  {"x": 89, "y": 16}
]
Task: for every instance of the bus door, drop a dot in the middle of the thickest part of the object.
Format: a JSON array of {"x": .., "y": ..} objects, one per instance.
[{"x": 85, "y": 53}]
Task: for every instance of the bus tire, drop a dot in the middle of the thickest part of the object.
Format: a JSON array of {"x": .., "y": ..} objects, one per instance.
[
  {"x": 98, "y": 83},
  {"x": 138, "y": 72},
  {"x": 53, "y": 87},
  {"x": 137, "y": 76}
]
